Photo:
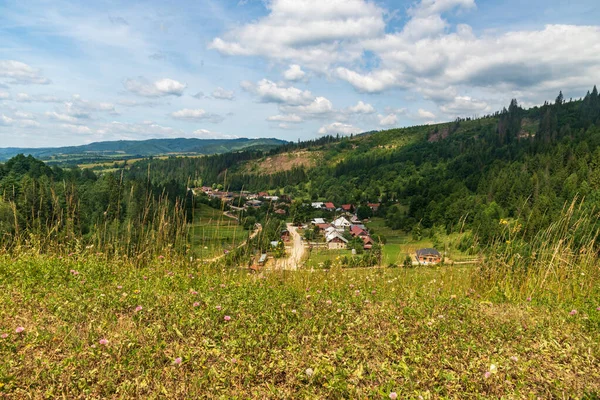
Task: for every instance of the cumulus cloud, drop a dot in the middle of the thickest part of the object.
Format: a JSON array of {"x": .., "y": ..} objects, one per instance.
[
  {"x": 319, "y": 106},
  {"x": 61, "y": 117},
  {"x": 206, "y": 134},
  {"x": 294, "y": 73},
  {"x": 37, "y": 98},
  {"x": 388, "y": 120},
  {"x": 222, "y": 94},
  {"x": 5, "y": 121},
  {"x": 16, "y": 72},
  {"x": 159, "y": 88},
  {"x": 198, "y": 114},
  {"x": 360, "y": 108},
  {"x": 312, "y": 32},
  {"x": 424, "y": 114},
  {"x": 372, "y": 82},
  {"x": 285, "y": 118},
  {"x": 462, "y": 105},
  {"x": 271, "y": 92},
  {"x": 338, "y": 127}
]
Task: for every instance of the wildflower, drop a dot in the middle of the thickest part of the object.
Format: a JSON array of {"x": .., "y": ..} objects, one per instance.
[
  {"x": 193, "y": 292},
  {"x": 119, "y": 287},
  {"x": 20, "y": 329},
  {"x": 138, "y": 309},
  {"x": 227, "y": 318},
  {"x": 493, "y": 368},
  {"x": 103, "y": 342},
  {"x": 309, "y": 372},
  {"x": 4, "y": 335},
  {"x": 339, "y": 310},
  {"x": 161, "y": 257},
  {"x": 177, "y": 361},
  {"x": 529, "y": 299},
  {"x": 597, "y": 308},
  {"x": 294, "y": 311},
  {"x": 318, "y": 292},
  {"x": 487, "y": 374},
  {"x": 357, "y": 292},
  {"x": 393, "y": 395},
  {"x": 573, "y": 312},
  {"x": 373, "y": 292},
  {"x": 218, "y": 308},
  {"x": 328, "y": 302},
  {"x": 145, "y": 278},
  {"x": 222, "y": 286},
  {"x": 196, "y": 304},
  {"x": 514, "y": 358},
  {"x": 234, "y": 360}
]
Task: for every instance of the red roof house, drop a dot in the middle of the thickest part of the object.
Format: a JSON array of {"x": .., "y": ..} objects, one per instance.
[{"x": 329, "y": 206}]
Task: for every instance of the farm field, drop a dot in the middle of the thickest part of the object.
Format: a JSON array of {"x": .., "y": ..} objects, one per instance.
[
  {"x": 212, "y": 233},
  {"x": 82, "y": 327}
]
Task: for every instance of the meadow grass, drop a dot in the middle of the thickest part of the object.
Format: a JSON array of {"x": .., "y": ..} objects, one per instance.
[
  {"x": 212, "y": 232},
  {"x": 98, "y": 328}
]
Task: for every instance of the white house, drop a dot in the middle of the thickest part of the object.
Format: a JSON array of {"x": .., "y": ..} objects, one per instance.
[
  {"x": 318, "y": 204},
  {"x": 318, "y": 221},
  {"x": 336, "y": 241},
  {"x": 341, "y": 222}
]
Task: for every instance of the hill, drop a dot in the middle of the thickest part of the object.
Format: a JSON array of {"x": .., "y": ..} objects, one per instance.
[{"x": 142, "y": 148}]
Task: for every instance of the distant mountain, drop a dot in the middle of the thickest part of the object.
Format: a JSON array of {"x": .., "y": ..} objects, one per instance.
[{"x": 144, "y": 148}]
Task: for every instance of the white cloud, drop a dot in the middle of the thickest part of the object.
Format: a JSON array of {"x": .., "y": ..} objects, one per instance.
[
  {"x": 143, "y": 130},
  {"x": 424, "y": 114},
  {"x": 29, "y": 123},
  {"x": 294, "y": 73},
  {"x": 160, "y": 88},
  {"x": 372, "y": 82},
  {"x": 61, "y": 117},
  {"x": 5, "y": 121},
  {"x": 76, "y": 129},
  {"x": 388, "y": 120},
  {"x": 78, "y": 102},
  {"x": 39, "y": 98},
  {"x": 361, "y": 108},
  {"x": 462, "y": 105},
  {"x": 196, "y": 114},
  {"x": 310, "y": 32},
  {"x": 206, "y": 134},
  {"x": 338, "y": 127},
  {"x": 222, "y": 94},
  {"x": 17, "y": 72},
  {"x": 285, "y": 118},
  {"x": 4, "y": 95},
  {"x": 271, "y": 92},
  {"x": 319, "y": 106}
]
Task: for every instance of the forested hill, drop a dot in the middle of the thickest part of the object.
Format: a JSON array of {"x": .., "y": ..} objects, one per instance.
[
  {"x": 513, "y": 164},
  {"x": 147, "y": 148}
]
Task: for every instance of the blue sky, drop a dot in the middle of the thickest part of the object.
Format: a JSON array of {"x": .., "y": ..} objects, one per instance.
[{"x": 78, "y": 72}]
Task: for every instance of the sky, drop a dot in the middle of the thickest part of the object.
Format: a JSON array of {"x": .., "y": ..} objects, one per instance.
[{"x": 79, "y": 72}]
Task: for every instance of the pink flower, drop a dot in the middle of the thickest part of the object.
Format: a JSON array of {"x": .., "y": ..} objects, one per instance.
[
  {"x": 529, "y": 299},
  {"x": 357, "y": 292},
  {"x": 393, "y": 395},
  {"x": 598, "y": 309},
  {"x": 318, "y": 291},
  {"x": 145, "y": 278},
  {"x": 119, "y": 287},
  {"x": 19, "y": 329},
  {"x": 227, "y": 318},
  {"x": 161, "y": 257},
  {"x": 138, "y": 309},
  {"x": 192, "y": 291},
  {"x": 196, "y": 304},
  {"x": 4, "y": 335},
  {"x": 487, "y": 374},
  {"x": 339, "y": 310},
  {"x": 373, "y": 292},
  {"x": 328, "y": 302},
  {"x": 514, "y": 358},
  {"x": 222, "y": 286},
  {"x": 103, "y": 342},
  {"x": 234, "y": 361},
  {"x": 573, "y": 312},
  {"x": 218, "y": 308},
  {"x": 177, "y": 361},
  {"x": 294, "y": 311}
]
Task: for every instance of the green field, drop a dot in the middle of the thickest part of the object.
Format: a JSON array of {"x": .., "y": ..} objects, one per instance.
[
  {"x": 82, "y": 327},
  {"x": 212, "y": 233}
]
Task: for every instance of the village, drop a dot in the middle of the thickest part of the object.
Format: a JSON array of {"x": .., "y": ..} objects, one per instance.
[{"x": 336, "y": 229}]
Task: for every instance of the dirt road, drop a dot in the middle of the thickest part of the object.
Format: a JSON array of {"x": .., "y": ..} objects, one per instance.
[{"x": 296, "y": 252}]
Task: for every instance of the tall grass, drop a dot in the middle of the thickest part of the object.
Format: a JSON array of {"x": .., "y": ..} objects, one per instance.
[{"x": 557, "y": 263}]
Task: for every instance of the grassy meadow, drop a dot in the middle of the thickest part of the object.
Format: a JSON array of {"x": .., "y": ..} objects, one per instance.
[
  {"x": 213, "y": 232},
  {"x": 84, "y": 327}
]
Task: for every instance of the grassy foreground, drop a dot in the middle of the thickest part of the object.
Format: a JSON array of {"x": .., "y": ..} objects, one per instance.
[{"x": 97, "y": 329}]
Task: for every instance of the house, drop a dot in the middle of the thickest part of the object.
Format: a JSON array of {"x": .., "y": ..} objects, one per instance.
[
  {"x": 318, "y": 221},
  {"x": 368, "y": 242},
  {"x": 336, "y": 241},
  {"x": 271, "y": 198},
  {"x": 329, "y": 206},
  {"x": 356, "y": 230},
  {"x": 317, "y": 204},
  {"x": 263, "y": 194},
  {"x": 373, "y": 206},
  {"x": 348, "y": 207},
  {"x": 428, "y": 256},
  {"x": 323, "y": 227},
  {"x": 280, "y": 211},
  {"x": 254, "y": 203},
  {"x": 355, "y": 220},
  {"x": 341, "y": 222}
]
